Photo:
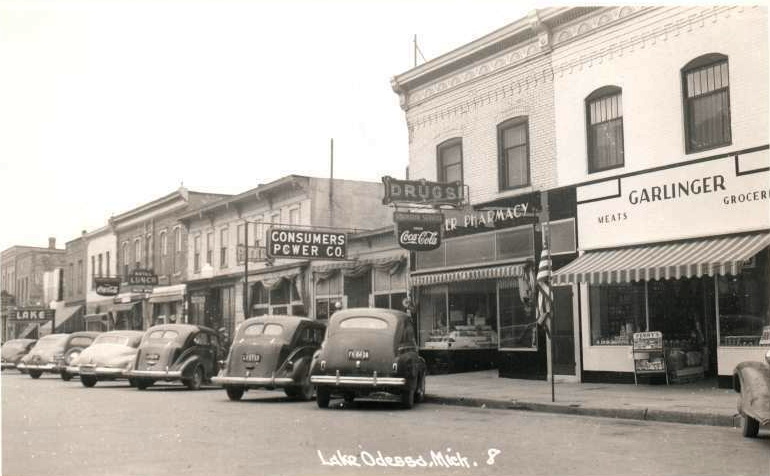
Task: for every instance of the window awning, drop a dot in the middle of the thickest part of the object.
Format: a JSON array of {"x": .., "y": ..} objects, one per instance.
[
  {"x": 710, "y": 257},
  {"x": 65, "y": 313},
  {"x": 494, "y": 272},
  {"x": 168, "y": 294},
  {"x": 126, "y": 306},
  {"x": 380, "y": 262}
]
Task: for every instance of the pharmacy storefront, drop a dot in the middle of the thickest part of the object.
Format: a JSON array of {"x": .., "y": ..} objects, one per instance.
[{"x": 681, "y": 250}]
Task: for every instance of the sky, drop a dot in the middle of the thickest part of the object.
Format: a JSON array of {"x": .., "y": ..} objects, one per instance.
[{"x": 106, "y": 105}]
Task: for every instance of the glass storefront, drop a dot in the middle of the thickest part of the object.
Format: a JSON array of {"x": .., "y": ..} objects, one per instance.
[
  {"x": 744, "y": 303},
  {"x": 281, "y": 298}
]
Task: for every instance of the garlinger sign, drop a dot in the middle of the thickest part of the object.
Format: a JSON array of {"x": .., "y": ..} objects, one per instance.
[{"x": 418, "y": 231}]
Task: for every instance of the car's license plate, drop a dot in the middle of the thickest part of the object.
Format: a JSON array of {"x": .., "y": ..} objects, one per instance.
[
  {"x": 358, "y": 354},
  {"x": 251, "y": 357},
  {"x": 152, "y": 357}
]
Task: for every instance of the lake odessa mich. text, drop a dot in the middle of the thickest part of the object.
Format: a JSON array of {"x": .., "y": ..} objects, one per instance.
[{"x": 435, "y": 459}]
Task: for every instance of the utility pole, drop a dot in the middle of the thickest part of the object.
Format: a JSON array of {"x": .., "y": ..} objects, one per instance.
[
  {"x": 245, "y": 269},
  {"x": 331, "y": 182}
]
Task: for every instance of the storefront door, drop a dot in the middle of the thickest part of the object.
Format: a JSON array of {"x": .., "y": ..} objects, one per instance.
[{"x": 563, "y": 336}]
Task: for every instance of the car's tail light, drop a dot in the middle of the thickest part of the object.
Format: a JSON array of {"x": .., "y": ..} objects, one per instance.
[
  {"x": 323, "y": 365},
  {"x": 395, "y": 367}
]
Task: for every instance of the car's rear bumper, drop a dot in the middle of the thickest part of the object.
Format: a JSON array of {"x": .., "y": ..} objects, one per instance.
[
  {"x": 42, "y": 367},
  {"x": 111, "y": 372},
  {"x": 7, "y": 365},
  {"x": 156, "y": 374},
  {"x": 351, "y": 381},
  {"x": 253, "y": 381}
]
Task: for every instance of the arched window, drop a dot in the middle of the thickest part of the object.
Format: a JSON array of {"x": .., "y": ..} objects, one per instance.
[
  {"x": 450, "y": 160},
  {"x": 513, "y": 153},
  {"x": 604, "y": 120},
  {"x": 706, "y": 93}
]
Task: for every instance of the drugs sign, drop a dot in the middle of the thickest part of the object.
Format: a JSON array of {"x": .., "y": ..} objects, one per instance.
[{"x": 303, "y": 244}]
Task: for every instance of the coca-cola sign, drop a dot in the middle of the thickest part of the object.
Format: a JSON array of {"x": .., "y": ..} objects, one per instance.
[{"x": 418, "y": 231}]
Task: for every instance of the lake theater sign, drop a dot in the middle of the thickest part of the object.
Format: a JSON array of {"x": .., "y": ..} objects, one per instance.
[{"x": 702, "y": 198}]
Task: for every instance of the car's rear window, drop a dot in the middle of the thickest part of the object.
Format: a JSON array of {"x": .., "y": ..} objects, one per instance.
[
  {"x": 263, "y": 329},
  {"x": 81, "y": 341},
  {"x": 48, "y": 342},
  {"x": 14, "y": 345},
  {"x": 163, "y": 334},
  {"x": 364, "y": 323},
  {"x": 120, "y": 340}
]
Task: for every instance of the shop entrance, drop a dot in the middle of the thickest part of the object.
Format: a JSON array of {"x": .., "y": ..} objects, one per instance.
[{"x": 563, "y": 332}]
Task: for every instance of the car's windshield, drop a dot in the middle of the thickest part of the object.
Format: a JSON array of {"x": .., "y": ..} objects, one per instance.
[
  {"x": 364, "y": 323},
  {"x": 48, "y": 342},
  {"x": 259, "y": 329},
  {"x": 112, "y": 339}
]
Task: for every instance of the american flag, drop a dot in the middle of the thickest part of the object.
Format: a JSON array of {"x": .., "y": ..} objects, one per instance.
[{"x": 544, "y": 299}]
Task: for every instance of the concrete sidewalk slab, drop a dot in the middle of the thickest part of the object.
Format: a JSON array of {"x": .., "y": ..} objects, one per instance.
[{"x": 701, "y": 403}]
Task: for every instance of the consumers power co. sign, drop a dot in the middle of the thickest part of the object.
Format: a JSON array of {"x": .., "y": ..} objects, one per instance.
[
  {"x": 711, "y": 197},
  {"x": 304, "y": 244}
]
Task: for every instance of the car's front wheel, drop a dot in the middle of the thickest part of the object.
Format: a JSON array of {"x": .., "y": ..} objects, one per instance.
[
  {"x": 195, "y": 382},
  {"x": 750, "y": 427},
  {"x": 235, "y": 393},
  {"x": 322, "y": 397},
  {"x": 35, "y": 373},
  {"x": 142, "y": 383},
  {"x": 88, "y": 381},
  {"x": 66, "y": 376}
]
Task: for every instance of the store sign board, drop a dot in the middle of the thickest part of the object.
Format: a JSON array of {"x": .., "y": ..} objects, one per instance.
[
  {"x": 33, "y": 314},
  {"x": 721, "y": 196},
  {"x": 422, "y": 192},
  {"x": 418, "y": 231},
  {"x": 648, "y": 340},
  {"x": 142, "y": 277},
  {"x": 107, "y": 286},
  {"x": 304, "y": 244}
]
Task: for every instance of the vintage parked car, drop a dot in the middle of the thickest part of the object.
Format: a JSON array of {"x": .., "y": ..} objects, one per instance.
[
  {"x": 752, "y": 380},
  {"x": 75, "y": 344},
  {"x": 44, "y": 355},
  {"x": 110, "y": 356},
  {"x": 177, "y": 352},
  {"x": 368, "y": 351},
  {"x": 13, "y": 350},
  {"x": 272, "y": 352}
]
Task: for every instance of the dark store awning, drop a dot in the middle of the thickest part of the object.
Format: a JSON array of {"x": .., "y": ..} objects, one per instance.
[
  {"x": 494, "y": 272},
  {"x": 689, "y": 259}
]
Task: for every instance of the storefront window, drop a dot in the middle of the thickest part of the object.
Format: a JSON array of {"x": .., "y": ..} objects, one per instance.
[
  {"x": 389, "y": 289},
  {"x": 617, "y": 311},
  {"x": 517, "y": 316},
  {"x": 282, "y": 299},
  {"x": 744, "y": 303},
  {"x": 328, "y": 292},
  {"x": 459, "y": 316}
]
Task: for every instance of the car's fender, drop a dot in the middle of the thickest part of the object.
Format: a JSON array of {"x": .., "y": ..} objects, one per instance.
[{"x": 752, "y": 380}]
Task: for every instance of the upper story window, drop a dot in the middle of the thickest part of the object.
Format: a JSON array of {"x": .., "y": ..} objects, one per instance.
[
  {"x": 294, "y": 216},
  {"x": 223, "y": 238},
  {"x": 513, "y": 153},
  {"x": 137, "y": 253},
  {"x": 450, "y": 161},
  {"x": 209, "y": 247},
  {"x": 163, "y": 243},
  {"x": 126, "y": 259},
  {"x": 706, "y": 84},
  {"x": 197, "y": 253},
  {"x": 604, "y": 116}
]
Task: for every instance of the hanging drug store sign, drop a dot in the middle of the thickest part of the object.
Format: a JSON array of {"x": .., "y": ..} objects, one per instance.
[
  {"x": 422, "y": 192},
  {"x": 418, "y": 231},
  {"x": 304, "y": 244},
  {"x": 713, "y": 197}
]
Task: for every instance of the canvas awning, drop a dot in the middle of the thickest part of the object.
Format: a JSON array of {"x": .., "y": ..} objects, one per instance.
[
  {"x": 124, "y": 306},
  {"x": 473, "y": 274},
  {"x": 168, "y": 293},
  {"x": 710, "y": 256},
  {"x": 63, "y": 314}
]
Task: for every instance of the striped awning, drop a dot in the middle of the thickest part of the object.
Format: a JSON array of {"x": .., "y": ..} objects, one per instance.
[
  {"x": 495, "y": 272},
  {"x": 689, "y": 259}
]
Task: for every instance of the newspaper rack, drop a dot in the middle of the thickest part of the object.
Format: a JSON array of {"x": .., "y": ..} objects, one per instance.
[{"x": 649, "y": 354}]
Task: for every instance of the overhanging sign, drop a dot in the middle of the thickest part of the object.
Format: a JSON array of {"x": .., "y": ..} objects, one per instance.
[
  {"x": 418, "y": 231},
  {"x": 142, "y": 277},
  {"x": 304, "y": 244},
  {"x": 36, "y": 314},
  {"x": 422, "y": 192},
  {"x": 107, "y": 286}
]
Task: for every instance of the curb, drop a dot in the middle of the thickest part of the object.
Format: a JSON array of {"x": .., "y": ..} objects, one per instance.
[{"x": 643, "y": 414}]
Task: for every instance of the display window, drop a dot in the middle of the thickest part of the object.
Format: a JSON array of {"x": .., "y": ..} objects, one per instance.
[
  {"x": 328, "y": 292},
  {"x": 389, "y": 288},
  {"x": 458, "y": 316},
  {"x": 744, "y": 303},
  {"x": 282, "y": 298},
  {"x": 617, "y": 311},
  {"x": 517, "y": 327},
  {"x": 166, "y": 312}
]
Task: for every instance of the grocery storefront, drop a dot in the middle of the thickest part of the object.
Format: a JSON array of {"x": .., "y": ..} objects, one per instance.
[{"x": 682, "y": 250}]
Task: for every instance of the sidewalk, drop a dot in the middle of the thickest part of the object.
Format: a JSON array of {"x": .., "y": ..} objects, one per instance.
[{"x": 700, "y": 403}]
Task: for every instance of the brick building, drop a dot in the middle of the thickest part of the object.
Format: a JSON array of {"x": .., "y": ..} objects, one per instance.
[
  {"x": 23, "y": 268},
  {"x": 150, "y": 238},
  {"x": 218, "y": 232}
]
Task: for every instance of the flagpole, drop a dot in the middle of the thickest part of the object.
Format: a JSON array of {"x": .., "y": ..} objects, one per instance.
[{"x": 546, "y": 235}]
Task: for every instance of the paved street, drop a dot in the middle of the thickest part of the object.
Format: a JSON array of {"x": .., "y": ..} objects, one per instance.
[{"x": 52, "y": 427}]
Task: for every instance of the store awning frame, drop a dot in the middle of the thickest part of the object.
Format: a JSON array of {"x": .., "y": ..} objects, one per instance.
[
  {"x": 687, "y": 259},
  {"x": 124, "y": 306},
  {"x": 454, "y": 276}
]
